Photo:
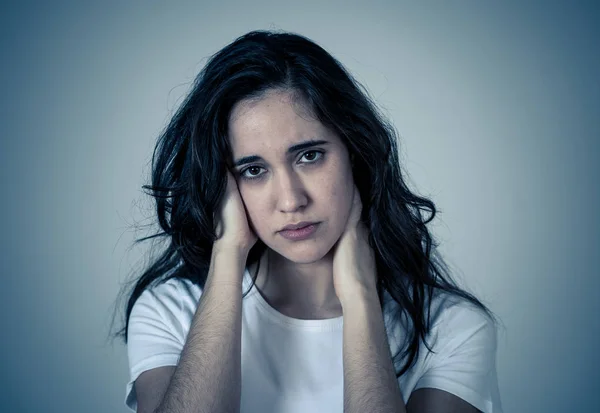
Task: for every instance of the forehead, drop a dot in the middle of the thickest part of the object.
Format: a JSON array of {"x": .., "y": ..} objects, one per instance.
[{"x": 273, "y": 122}]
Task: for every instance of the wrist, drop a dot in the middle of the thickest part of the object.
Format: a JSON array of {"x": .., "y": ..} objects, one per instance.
[
  {"x": 231, "y": 253},
  {"x": 227, "y": 264},
  {"x": 358, "y": 297}
]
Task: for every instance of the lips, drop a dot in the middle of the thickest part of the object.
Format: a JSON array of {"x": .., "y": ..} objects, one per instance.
[
  {"x": 299, "y": 234},
  {"x": 297, "y": 226}
]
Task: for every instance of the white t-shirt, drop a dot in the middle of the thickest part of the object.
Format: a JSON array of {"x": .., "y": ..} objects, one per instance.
[{"x": 295, "y": 366}]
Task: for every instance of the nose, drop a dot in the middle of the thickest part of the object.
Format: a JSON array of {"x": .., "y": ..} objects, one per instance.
[{"x": 290, "y": 192}]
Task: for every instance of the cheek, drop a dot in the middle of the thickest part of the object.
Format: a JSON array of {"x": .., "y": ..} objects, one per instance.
[
  {"x": 340, "y": 204},
  {"x": 337, "y": 194}
]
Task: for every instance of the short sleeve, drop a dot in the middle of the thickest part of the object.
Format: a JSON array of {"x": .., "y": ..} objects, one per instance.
[
  {"x": 464, "y": 362},
  {"x": 154, "y": 337}
]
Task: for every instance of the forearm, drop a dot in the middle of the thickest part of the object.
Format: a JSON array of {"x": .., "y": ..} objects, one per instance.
[
  {"x": 208, "y": 375},
  {"x": 370, "y": 383}
]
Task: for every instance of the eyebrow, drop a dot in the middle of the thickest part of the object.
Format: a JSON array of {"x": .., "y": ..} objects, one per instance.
[{"x": 291, "y": 150}]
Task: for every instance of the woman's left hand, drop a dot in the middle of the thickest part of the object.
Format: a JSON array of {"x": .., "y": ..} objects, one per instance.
[{"x": 354, "y": 268}]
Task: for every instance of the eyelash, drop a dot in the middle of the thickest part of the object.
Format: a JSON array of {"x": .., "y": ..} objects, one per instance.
[{"x": 256, "y": 177}]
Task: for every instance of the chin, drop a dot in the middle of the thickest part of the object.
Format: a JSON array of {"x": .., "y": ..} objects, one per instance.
[{"x": 301, "y": 253}]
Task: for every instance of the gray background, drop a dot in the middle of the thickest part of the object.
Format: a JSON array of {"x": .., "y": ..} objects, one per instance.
[{"x": 497, "y": 107}]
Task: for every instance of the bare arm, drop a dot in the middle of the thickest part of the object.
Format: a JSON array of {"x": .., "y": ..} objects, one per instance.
[
  {"x": 370, "y": 383},
  {"x": 207, "y": 377}
]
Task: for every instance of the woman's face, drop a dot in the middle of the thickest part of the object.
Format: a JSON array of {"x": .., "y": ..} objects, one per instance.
[{"x": 282, "y": 185}]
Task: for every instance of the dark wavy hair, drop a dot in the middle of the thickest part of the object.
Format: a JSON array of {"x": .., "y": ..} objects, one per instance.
[{"x": 192, "y": 155}]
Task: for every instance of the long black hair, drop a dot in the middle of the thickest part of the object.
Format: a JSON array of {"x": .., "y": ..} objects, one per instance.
[{"x": 191, "y": 157}]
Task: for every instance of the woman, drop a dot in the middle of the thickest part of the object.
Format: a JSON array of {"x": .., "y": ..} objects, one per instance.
[{"x": 300, "y": 275}]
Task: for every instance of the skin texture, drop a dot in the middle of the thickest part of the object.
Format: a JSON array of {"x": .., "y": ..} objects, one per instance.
[{"x": 303, "y": 186}]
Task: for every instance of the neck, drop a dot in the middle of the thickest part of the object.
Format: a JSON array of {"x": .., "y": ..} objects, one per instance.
[{"x": 303, "y": 291}]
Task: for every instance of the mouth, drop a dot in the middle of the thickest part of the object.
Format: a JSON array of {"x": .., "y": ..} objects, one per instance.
[
  {"x": 301, "y": 232},
  {"x": 299, "y": 225}
]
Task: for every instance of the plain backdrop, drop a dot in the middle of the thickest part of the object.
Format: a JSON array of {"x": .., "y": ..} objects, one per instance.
[{"x": 497, "y": 107}]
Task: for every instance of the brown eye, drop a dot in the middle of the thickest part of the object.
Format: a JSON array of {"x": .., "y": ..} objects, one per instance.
[
  {"x": 312, "y": 156},
  {"x": 252, "y": 172}
]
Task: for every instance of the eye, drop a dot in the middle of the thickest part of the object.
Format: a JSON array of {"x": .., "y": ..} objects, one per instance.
[
  {"x": 255, "y": 172},
  {"x": 252, "y": 172},
  {"x": 312, "y": 156}
]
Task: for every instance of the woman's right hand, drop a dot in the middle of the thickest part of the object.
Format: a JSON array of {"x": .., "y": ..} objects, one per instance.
[{"x": 233, "y": 229}]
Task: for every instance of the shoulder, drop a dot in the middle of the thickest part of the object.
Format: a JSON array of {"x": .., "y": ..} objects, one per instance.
[
  {"x": 456, "y": 327},
  {"x": 449, "y": 316},
  {"x": 158, "y": 325},
  {"x": 171, "y": 293},
  {"x": 462, "y": 360},
  {"x": 456, "y": 319},
  {"x": 169, "y": 302}
]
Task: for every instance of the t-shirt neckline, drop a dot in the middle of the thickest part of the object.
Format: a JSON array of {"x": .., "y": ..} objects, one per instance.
[{"x": 323, "y": 325}]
